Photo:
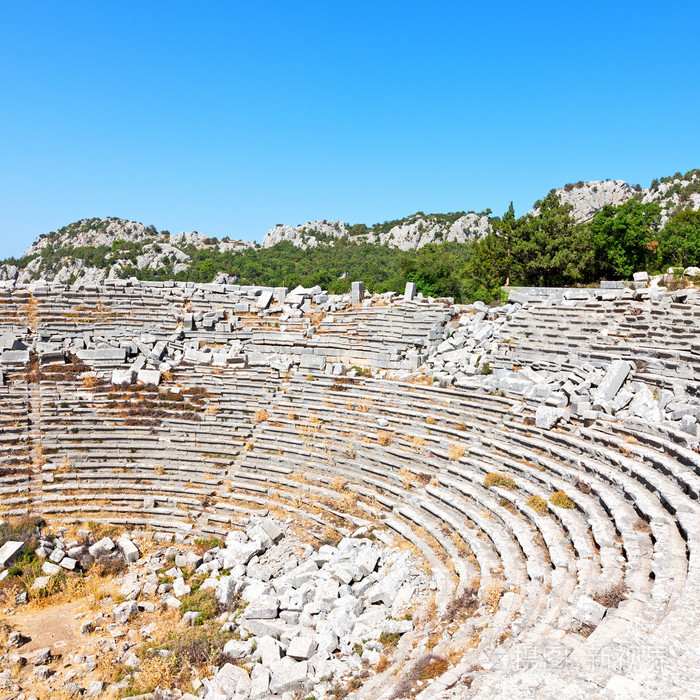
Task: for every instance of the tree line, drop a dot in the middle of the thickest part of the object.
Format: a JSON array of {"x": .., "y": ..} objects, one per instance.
[{"x": 544, "y": 248}]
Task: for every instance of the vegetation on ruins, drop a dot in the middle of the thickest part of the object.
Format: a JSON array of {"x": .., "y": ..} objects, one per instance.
[
  {"x": 497, "y": 479},
  {"x": 561, "y": 500}
]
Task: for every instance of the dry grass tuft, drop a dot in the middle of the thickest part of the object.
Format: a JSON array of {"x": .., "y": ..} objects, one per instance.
[
  {"x": 462, "y": 605},
  {"x": 455, "y": 452},
  {"x": 612, "y": 596},
  {"x": 339, "y": 483},
  {"x": 261, "y": 415},
  {"x": 538, "y": 504},
  {"x": 407, "y": 477},
  {"x": 498, "y": 479},
  {"x": 384, "y": 438},
  {"x": 642, "y": 526},
  {"x": 417, "y": 441},
  {"x": 383, "y": 663},
  {"x": 494, "y": 592}
]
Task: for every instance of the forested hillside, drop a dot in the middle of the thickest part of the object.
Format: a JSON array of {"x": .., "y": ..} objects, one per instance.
[{"x": 576, "y": 235}]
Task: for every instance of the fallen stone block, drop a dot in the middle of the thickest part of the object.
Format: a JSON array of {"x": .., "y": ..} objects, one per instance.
[
  {"x": 288, "y": 675},
  {"x": 149, "y": 376},
  {"x": 546, "y": 417},
  {"x": 588, "y": 611},
  {"x": 301, "y": 648},
  {"x": 124, "y": 612},
  {"x": 128, "y": 549},
  {"x": 234, "y": 680},
  {"x": 101, "y": 547},
  {"x": 9, "y": 552}
]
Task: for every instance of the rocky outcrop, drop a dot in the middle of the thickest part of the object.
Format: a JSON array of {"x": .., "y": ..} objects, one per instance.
[
  {"x": 671, "y": 194},
  {"x": 406, "y": 234},
  {"x": 307, "y": 235},
  {"x": 118, "y": 245},
  {"x": 588, "y": 198}
]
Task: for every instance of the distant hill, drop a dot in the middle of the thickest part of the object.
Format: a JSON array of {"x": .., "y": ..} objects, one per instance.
[{"x": 94, "y": 249}]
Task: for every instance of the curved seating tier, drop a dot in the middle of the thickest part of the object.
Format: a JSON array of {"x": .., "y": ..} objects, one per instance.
[{"x": 411, "y": 459}]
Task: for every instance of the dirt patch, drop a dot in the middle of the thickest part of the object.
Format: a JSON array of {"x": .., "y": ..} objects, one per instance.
[{"x": 53, "y": 626}]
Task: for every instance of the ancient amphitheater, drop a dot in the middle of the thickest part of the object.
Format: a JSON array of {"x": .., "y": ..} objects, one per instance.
[{"x": 538, "y": 460}]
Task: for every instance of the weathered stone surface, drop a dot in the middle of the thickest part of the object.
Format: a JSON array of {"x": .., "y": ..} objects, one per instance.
[
  {"x": 10, "y": 551},
  {"x": 588, "y": 611},
  {"x": 102, "y": 547},
  {"x": 546, "y": 417},
  {"x": 613, "y": 380}
]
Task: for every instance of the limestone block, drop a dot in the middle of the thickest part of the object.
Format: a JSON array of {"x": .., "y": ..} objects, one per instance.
[
  {"x": 9, "y": 551},
  {"x": 357, "y": 292},
  {"x": 268, "y": 650},
  {"x": 309, "y": 361},
  {"x": 288, "y": 675},
  {"x": 9, "y": 342},
  {"x": 110, "y": 354},
  {"x": 613, "y": 380},
  {"x": 225, "y": 588},
  {"x": 234, "y": 680},
  {"x": 547, "y": 416},
  {"x": 237, "y": 553},
  {"x": 180, "y": 588},
  {"x": 259, "y": 682},
  {"x": 122, "y": 377},
  {"x": 301, "y": 648},
  {"x": 14, "y": 357},
  {"x": 149, "y": 376},
  {"x": 40, "y": 582},
  {"x": 129, "y": 550},
  {"x": 588, "y": 611},
  {"x": 50, "y": 569},
  {"x": 101, "y": 547},
  {"x": 264, "y": 300},
  {"x": 264, "y": 608},
  {"x": 42, "y": 657},
  {"x": 236, "y": 649},
  {"x": 124, "y": 612}
]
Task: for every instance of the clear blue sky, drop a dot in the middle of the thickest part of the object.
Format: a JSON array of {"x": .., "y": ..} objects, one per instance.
[{"x": 230, "y": 117}]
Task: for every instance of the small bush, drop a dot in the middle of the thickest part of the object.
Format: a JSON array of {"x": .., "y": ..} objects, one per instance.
[
  {"x": 464, "y": 604},
  {"x": 494, "y": 593},
  {"x": 538, "y": 504},
  {"x": 430, "y": 666},
  {"x": 561, "y": 500},
  {"x": 455, "y": 452},
  {"x": 201, "y": 601},
  {"x": 261, "y": 415},
  {"x": 384, "y": 438},
  {"x": 389, "y": 639},
  {"x": 497, "y": 479},
  {"x": 612, "y": 596}
]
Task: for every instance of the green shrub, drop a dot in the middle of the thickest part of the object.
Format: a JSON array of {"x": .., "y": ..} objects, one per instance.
[{"x": 201, "y": 601}]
